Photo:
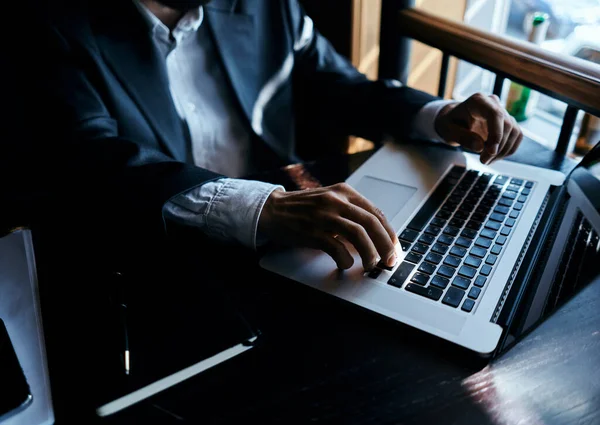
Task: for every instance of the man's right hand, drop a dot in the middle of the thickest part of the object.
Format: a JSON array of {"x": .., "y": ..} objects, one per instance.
[{"x": 328, "y": 219}]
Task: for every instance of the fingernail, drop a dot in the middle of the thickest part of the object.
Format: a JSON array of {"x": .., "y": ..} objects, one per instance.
[
  {"x": 392, "y": 259},
  {"x": 372, "y": 265}
]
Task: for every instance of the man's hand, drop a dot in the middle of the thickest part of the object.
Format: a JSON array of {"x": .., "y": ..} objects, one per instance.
[
  {"x": 328, "y": 219},
  {"x": 480, "y": 124}
]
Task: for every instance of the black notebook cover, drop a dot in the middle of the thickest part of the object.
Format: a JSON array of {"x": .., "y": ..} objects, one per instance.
[{"x": 178, "y": 326}]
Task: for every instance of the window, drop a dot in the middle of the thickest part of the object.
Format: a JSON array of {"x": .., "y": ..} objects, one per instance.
[{"x": 573, "y": 29}]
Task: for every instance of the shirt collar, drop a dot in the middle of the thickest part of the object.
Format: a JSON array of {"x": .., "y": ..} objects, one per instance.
[{"x": 187, "y": 25}]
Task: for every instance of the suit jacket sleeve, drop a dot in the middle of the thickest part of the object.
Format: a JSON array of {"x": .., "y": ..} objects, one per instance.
[
  {"x": 340, "y": 96},
  {"x": 82, "y": 160}
]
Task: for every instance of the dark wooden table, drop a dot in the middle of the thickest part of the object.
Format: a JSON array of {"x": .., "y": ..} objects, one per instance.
[{"x": 325, "y": 361}]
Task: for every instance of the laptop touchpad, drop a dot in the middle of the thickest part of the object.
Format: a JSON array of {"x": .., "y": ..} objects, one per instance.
[{"x": 388, "y": 196}]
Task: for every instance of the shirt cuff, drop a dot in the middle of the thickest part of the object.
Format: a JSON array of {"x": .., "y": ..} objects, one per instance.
[
  {"x": 226, "y": 209},
  {"x": 424, "y": 125}
]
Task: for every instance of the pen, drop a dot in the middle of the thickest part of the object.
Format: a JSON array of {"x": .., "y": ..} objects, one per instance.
[
  {"x": 123, "y": 316},
  {"x": 123, "y": 309}
]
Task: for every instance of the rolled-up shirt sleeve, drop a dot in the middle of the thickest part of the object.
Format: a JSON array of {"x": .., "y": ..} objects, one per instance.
[{"x": 226, "y": 209}]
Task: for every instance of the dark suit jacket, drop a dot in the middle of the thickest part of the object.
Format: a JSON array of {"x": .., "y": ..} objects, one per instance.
[{"x": 108, "y": 121}]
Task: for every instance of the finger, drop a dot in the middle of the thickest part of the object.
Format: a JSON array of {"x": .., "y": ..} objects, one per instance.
[
  {"x": 378, "y": 234},
  {"x": 357, "y": 235},
  {"x": 465, "y": 138},
  {"x": 357, "y": 199},
  {"x": 336, "y": 249},
  {"x": 506, "y": 144},
  {"x": 491, "y": 110},
  {"x": 517, "y": 143}
]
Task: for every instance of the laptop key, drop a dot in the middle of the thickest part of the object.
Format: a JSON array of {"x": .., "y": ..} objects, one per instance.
[
  {"x": 497, "y": 217},
  {"x": 413, "y": 257},
  {"x": 521, "y": 199},
  {"x": 374, "y": 274},
  {"x": 427, "y": 268},
  {"x": 488, "y": 233},
  {"x": 501, "y": 240},
  {"x": 433, "y": 230},
  {"x": 494, "y": 225},
  {"x": 405, "y": 245},
  {"x": 461, "y": 282},
  {"x": 517, "y": 182},
  {"x": 434, "y": 258},
  {"x": 529, "y": 185},
  {"x": 458, "y": 251},
  {"x": 431, "y": 206},
  {"x": 468, "y": 305},
  {"x": 452, "y": 261},
  {"x": 426, "y": 239},
  {"x": 474, "y": 225},
  {"x": 483, "y": 242},
  {"x": 401, "y": 274},
  {"x": 440, "y": 281},
  {"x": 453, "y": 297},
  {"x": 467, "y": 271},
  {"x": 501, "y": 210},
  {"x": 491, "y": 259},
  {"x": 480, "y": 281},
  {"x": 505, "y": 231},
  {"x": 473, "y": 261},
  {"x": 445, "y": 215},
  {"x": 514, "y": 214},
  {"x": 496, "y": 249},
  {"x": 420, "y": 248},
  {"x": 505, "y": 202},
  {"x": 510, "y": 222},
  {"x": 501, "y": 180},
  {"x": 436, "y": 221},
  {"x": 469, "y": 233},
  {"x": 457, "y": 222},
  {"x": 478, "y": 252},
  {"x": 474, "y": 292},
  {"x": 518, "y": 206},
  {"x": 462, "y": 215},
  {"x": 429, "y": 292},
  {"x": 440, "y": 248},
  {"x": 451, "y": 230},
  {"x": 409, "y": 235},
  {"x": 509, "y": 195},
  {"x": 446, "y": 271},
  {"x": 486, "y": 270},
  {"x": 420, "y": 278},
  {"x": 445, "y": 239},
  {"x": 464, "y": 242},
  {"x": 525, "y": 192}
]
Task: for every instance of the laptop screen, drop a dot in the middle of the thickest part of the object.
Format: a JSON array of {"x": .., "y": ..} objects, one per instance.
[{"x": 570, "y": 250}]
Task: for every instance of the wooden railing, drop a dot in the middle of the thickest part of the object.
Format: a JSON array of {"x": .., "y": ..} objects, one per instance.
[{"x": 571, "y": 80}]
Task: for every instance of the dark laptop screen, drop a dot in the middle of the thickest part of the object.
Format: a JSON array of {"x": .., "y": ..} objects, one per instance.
[{"x": 570, "y": 251}]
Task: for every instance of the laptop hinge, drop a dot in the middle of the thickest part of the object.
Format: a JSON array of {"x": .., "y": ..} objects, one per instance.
[{"x": 532, "y": 258}]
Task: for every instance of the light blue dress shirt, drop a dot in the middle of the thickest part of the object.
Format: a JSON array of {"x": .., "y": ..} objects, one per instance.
[{"x": 229, "y": 208}]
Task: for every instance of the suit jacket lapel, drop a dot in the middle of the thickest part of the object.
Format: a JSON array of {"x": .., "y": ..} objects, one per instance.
[
  {"x": 126, "y": 44},
  {"x": 236, "y": 42}
]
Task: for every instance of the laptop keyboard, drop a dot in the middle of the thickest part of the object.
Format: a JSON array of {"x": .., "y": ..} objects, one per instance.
[{"x": 454, "y": 241}]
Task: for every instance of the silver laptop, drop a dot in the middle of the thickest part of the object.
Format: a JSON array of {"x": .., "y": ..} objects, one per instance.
[{"x": 473, "y": 245}]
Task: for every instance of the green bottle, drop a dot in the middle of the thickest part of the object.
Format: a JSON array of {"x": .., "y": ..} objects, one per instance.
[{"x": 521, "y": 100}]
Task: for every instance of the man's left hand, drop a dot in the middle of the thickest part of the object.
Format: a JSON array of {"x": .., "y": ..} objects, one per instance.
[{"x": 480, "y": 124}]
